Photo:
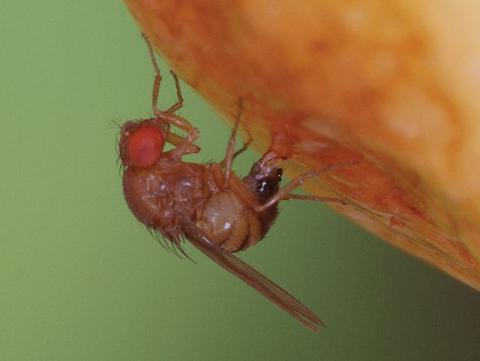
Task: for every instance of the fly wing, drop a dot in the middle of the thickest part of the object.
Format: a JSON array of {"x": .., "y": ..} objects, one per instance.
[{"x": 262, "y": 284}]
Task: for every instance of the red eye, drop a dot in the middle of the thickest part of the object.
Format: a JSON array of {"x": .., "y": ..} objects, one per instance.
[{"x": 144, "y": 146}]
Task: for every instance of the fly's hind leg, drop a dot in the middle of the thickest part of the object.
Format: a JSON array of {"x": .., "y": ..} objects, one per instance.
[
  {"x": 285, "y": 192},
  {"x": 308, "y": 197}
]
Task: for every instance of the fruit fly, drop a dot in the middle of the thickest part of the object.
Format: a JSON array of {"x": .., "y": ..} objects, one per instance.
[{"x": 207, "y": 204}]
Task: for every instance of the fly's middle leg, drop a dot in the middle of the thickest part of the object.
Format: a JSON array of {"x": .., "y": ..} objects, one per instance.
[{"x": 231, "y": 154}]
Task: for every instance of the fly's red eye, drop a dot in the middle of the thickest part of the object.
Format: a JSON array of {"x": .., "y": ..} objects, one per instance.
[{"x": 145, "y": 146}]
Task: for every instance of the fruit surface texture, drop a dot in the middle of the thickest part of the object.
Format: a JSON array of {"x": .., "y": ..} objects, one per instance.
[{"x": 387, "y": 88}]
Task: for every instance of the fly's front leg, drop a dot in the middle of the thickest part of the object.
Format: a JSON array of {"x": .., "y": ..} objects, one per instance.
[
  {"x": 184, "y": 145},
  {"x": 158, "y": 76},
  {"x": 285, "y": 192},
  {"x": 179, "y": 102},
  {"x": 157, "y": 81},
  {"x": 178, "y": 141},
  {"x": 167, "y": 118}
]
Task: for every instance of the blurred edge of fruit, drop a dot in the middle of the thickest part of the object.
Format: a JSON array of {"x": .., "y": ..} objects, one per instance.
[{"x": 385, "y": 83}]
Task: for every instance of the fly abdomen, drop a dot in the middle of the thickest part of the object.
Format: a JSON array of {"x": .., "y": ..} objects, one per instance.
[{"x": 228, "y": 222}]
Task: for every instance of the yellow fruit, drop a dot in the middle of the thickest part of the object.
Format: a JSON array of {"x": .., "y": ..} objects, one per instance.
[{"x": 392, "y": 83}]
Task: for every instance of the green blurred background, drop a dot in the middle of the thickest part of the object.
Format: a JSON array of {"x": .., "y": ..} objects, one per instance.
[{"x": 80, "y": 279}]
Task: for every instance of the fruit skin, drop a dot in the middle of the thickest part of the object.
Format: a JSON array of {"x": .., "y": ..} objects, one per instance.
[{"x": 386, "y": 82}]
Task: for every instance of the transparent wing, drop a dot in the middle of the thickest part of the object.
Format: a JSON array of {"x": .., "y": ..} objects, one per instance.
[{"x": 262, "y": 284}]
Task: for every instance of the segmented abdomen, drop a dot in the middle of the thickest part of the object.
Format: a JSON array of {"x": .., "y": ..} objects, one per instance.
[{"x": 227, "y": 221}]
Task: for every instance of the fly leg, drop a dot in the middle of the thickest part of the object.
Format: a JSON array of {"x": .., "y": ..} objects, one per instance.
[
  {"x": 157, "y": 81},
  {"x": 308, "y": 197},
  {"x": 239, "y": 151},
  {"x": 179, "y": 102},
  {"x": 243, "y": 148},
  {"x": 179, "y": 141},
  {"x": 285, "y": 192},
  {"x": 184, "y": 145},
  {"x": 231, "y": 154}
]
